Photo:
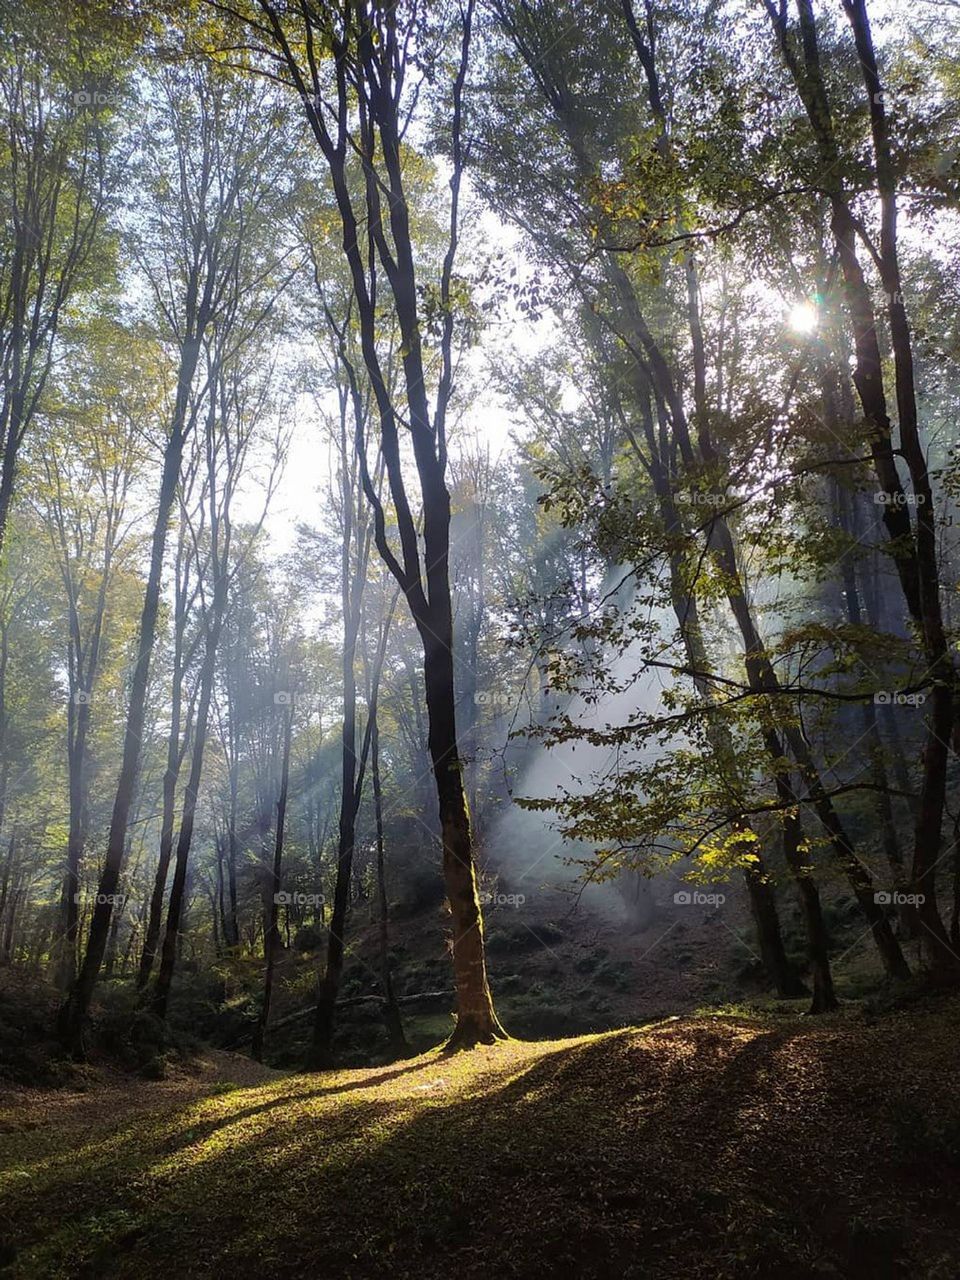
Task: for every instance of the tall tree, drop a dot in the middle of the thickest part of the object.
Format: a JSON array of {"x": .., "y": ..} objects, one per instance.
[
  {"x": 351, "y": 65},
  {"x": 913, "y": 542},
  {"x": 60, "y": 168},
  {"x": 90, "y": 459},
  {"x": 191, "y": 252}
]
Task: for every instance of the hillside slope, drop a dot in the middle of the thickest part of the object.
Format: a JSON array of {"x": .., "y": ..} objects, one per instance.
[{"x": 720, "y": 1147}]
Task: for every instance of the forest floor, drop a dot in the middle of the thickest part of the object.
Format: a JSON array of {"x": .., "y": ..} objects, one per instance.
[{"x": 724, "y": 1146}]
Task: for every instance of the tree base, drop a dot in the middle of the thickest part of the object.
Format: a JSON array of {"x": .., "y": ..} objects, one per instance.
[
  {"x": 469, "y": 1033},
  {"x": 319, "y": 1060},
  {"x": 70, "y": 1031},
  {"x": 822, "y": 1004},
  {"x": 792, "y": 988}
]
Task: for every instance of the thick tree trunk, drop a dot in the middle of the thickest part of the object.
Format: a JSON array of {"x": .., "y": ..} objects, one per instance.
[
  {"x": 763, "y": 909},
  {"x": 477, "y": 1023}
]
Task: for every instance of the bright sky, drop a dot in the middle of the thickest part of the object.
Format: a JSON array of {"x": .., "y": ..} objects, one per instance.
[{"x": 301, "y": 492}]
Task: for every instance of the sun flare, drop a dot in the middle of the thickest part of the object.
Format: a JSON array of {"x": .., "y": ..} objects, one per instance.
[{"x": 803, "y": 318}]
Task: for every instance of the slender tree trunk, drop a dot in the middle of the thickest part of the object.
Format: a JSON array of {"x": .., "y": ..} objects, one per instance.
[
  {"x": 763, "y": 680},
  {"x": 69, "y": 898},
  {"x": 178, "y": 889},
  {"x": 913, "y": 552},
  {"x": 74, "y": 1011},
  {"x": 763, "y": 906},
  {"x": 381, "y": 51},
  {"x": 272, "y": 937},
  {"x": 941, "y": 958},
  {"x": 5, "y": 883},
  {"x": 231, "y": 924},
  {"x": 155, "y": 916},
  {"x": 9, "y": 938},
  {"x": 321, "y": 1049},
  {"x": 110, "y": 955},
  {"x": 170, "y": 777},
  {"x": 871, "y": 731},
  {"x": 8, "y": 466},
  {"x": 797, "y": 859},
  {"x": 391, "y": 1009}
]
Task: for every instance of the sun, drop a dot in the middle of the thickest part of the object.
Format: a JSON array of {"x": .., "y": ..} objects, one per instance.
[{"x": 803, "y": 317}]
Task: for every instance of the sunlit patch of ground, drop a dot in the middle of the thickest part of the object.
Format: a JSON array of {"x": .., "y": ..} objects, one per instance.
[{"x": 706, "y": 1147}]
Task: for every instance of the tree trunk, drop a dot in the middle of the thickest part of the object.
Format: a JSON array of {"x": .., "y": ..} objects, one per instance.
[
  {"x": 69, "y": 899},
  {"x": 170, "y": 777},
  {"x": 152, "y": 937},
  {"x": 477, "y": 1023},
  {"x": 272, "y": 937},
  {"x": 231, "y": 923},
  {"x": 171, "y": 937},
  {"x": 797, "y": 859},
  {"x": 74, "y": 1011},
  {"x": 322, "y": 1044},
  {"x": 391, "y": 1010},
  {"x": 914, "y": 555}
]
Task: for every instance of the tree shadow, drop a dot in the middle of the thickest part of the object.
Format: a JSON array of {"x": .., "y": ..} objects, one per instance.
[{"x": 694, "y": 1148}]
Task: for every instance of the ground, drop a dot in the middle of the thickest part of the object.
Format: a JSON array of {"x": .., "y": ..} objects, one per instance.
[
  {"x": 715, "y": 1146},
  {"x": 559, "y": 966}
]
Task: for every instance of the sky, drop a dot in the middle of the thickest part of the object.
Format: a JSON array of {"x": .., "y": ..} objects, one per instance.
[{"x": 484, "y": 414}]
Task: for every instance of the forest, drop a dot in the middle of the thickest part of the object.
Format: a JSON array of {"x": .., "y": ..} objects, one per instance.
[{"x": 480, "y": 638}]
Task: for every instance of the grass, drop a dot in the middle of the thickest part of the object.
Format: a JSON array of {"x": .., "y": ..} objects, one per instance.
[{"x": 741, "y": 1146}]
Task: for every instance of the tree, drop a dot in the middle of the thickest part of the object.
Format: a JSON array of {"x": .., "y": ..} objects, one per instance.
[
  {"x": 271, "y": 941},
  {"x": 914, "y": 549},
  {"x": 59, "y": 173},
  {"x": 90, "y": 460},
  {"x": 350, "y": 66},
  {"x": 205, "y": 124}
]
